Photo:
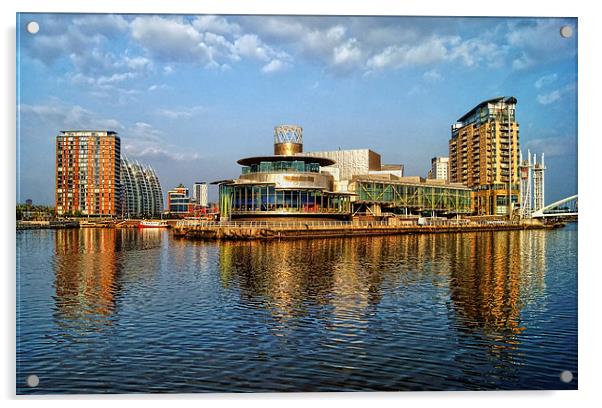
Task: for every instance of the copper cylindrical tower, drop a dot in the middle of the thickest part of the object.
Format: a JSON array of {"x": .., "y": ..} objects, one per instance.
[{"x": 288, "y": 140}]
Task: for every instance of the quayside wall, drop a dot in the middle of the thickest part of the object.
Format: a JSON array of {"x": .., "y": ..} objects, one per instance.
[{"x": 309, "y": 230}]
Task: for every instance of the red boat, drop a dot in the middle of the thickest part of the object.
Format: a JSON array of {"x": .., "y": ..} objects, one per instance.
[{"x": 153, "y": 224}]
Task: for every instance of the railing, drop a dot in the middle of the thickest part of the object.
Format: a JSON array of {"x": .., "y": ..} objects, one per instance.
[
  {"x": 284, "y": 224},
  {"x": 368, "y": 224}
]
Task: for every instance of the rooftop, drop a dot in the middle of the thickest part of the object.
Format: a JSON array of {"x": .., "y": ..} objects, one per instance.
[
  {"x": 511, "y": 100},
  {"x": 322, "y": 161}
]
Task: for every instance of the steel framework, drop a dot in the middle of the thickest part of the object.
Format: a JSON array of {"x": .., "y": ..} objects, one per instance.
[
  {"x": 563, "y": 208},
  {"x": 288, "y": 134},
  {"x": 525, "y": 185},
  {"x": 415, "y": 197},
  {"x": 538, "y": 183}
]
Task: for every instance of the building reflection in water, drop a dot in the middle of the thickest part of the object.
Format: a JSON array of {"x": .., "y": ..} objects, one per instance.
[
  {"x": 485, "y": 278},
  {"x": 89, "y": 273}
]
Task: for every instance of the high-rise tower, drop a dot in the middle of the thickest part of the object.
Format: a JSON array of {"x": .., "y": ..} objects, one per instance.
[
  {"x": 88, "y": 171},
  {"x": 483, "y": 155}
]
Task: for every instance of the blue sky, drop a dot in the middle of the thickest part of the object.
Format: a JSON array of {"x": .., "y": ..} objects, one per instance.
[{"x": 192, "y": 94}]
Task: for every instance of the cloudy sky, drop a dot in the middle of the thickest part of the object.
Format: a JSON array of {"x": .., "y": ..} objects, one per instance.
[{"x": 192, "y": 94}]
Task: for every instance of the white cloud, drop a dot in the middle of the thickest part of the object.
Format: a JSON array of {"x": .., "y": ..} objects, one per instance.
[
  {"x": 105, "y": 24},
  {"x": 523, "y": 62},
  {"x": 538, "y": 41},
  {"x": 432, "y": 76},
  {"x": 174, "y": 39},
  {"x": 475, "y": 51},
  {"x": 273, "y": 66},
  {"x": 432, "y": 50},
  {"x": 347, "y": 54},
  {"x": 157, "y": 87},
  {"x": 249, "y": 45},
  {"x": 61, "y": 117},
  {"x": 553, "y": 146},
  {"x": 549, "y": 98},
  {"x": 181, "y": 113},
  {"x": 110, "y": 87},
  {"x": 169, "y": 38},
  {"x": 555, "y": 95},
  {"x": 545, "y": 80},
  {"x": 143, "y": 140},
  {"x": 215, "y": 24}
]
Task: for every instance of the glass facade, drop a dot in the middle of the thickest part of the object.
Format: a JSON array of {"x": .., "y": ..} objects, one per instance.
[
  {"x": 282, "y": 166},
  {"x": 241, "y": 199},
  {"x": 141, "y": 191},
  {"x": 179, "y": 201},
  {"x": 416, "y": 197}
]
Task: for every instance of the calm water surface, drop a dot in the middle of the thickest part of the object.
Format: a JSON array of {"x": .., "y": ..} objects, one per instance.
[{"x": 111, "y": 311}]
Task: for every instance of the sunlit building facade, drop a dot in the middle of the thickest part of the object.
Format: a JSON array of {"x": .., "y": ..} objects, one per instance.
[
  {"x": 200, "y": 194},
  {"x": 439, "y": 168},
  {"x": 484, "y": 155},
  {"x": 88, "y": 173},
  {"x": 179, "y": 202},
  {"x": 141, "y": 190}
]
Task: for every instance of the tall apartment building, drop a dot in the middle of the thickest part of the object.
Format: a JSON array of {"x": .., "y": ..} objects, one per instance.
[
  {"x": 484, "y": 155},
  {"x": 199, "y": 194},
  {"x": 141, "y": 191},
  {"x": 439, "y": 168},
  {"x": 88, "y": 171}
]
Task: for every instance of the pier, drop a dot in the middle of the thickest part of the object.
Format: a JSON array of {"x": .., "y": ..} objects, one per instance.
[{"x": 252, "y": 230}]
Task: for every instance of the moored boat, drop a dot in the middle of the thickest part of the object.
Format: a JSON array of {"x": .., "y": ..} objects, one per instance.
[{"x": 152, "y": 224}]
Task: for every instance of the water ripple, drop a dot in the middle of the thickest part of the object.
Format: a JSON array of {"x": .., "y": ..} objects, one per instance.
[{"x": 105, "y": 311}]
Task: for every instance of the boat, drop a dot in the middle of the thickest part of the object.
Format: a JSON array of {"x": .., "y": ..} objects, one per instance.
[{"x": 153, "y": 224}]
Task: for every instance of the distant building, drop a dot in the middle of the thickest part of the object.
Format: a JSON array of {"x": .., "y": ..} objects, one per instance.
[
  {"x": 392, "y": 169},
  {"x": 352, "y": 162},
  {"x": 484, "y": 155},
  {"x": 178, "y": 201},
  {"x": 199, "y": 194},
  {"x": 355, "y": 162},
  {"x": 88, "y": 172},
  {"x": 439, "y": 168},
  {"x": 141, "y": 190},
  {"x": 29, "y": 202},
  {"x": 293, "y": 185}
]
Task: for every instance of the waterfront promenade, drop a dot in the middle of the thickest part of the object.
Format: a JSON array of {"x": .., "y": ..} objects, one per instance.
[{"x": 319, "y": 229}]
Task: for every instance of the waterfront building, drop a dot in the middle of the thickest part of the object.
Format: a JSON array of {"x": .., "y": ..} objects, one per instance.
[
  {"x": 484, "y": 155},
  {"x": 199, "y": 194},
  {"x": 178, "y": 201},
  {"x": 409, "y": 196},
  {"x": 88, "y": 173},
  {"x": 285, "y": 185},
  {"x": 395, "y": 170},
  {"x": 351, "y": 162},
  {"x": 142, "y": 196},
  {"x": 439, "y": 168}
]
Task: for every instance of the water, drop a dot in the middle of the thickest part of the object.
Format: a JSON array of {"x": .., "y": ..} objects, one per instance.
[{"x": 113, "y": 311}]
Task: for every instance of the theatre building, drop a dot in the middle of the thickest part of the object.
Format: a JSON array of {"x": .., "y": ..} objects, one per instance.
[{"x": 284, "y": 186}]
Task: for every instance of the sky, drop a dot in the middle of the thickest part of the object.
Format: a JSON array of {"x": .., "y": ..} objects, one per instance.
[{"x": 189, "y": 95}]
